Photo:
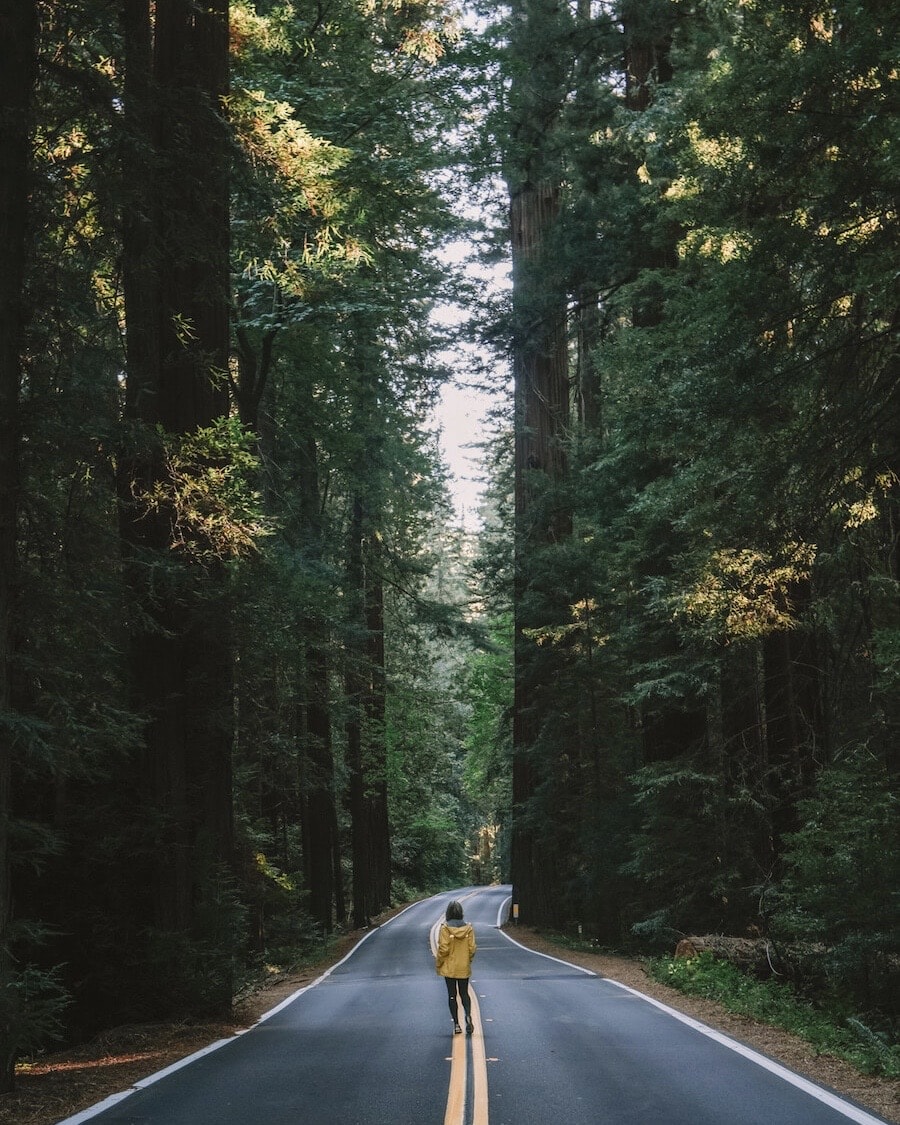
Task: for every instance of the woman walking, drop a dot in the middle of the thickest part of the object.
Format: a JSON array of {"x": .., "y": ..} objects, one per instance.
[{"x": 453, "y": 960}]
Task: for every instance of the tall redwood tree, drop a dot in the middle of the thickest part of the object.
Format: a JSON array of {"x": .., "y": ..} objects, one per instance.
[
  {"x": 18, "y": 32},
  {"x": 176, "y": 271},
  {"x": 541, "y": 380}
]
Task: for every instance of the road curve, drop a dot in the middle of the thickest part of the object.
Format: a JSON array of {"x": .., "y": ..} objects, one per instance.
[{"x": 371, "y": 1042}]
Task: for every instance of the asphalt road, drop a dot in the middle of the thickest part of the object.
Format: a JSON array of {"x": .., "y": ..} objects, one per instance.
[{"x": 371, "y": 1042}]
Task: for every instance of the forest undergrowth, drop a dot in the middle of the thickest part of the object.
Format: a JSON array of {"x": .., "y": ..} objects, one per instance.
[{"x": 827, "y": 1029}]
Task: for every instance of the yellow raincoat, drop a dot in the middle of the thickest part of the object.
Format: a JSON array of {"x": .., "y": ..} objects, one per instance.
[{"x": 456, "y": 948}]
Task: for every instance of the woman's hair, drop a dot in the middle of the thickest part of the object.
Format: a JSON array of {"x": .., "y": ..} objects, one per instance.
[{"x": 454, "y": 911}]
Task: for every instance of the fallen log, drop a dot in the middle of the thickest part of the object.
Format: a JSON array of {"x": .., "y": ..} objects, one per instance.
[{"x": 751, "y": 955}]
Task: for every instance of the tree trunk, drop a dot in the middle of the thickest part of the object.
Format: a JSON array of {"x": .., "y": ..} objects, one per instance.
[
  {"x": 588, "y": 321},
  {"x": 674, "y": 729},
  {"x": 379, "y": 830},
  {"x": 793, "y": 722},
  {"x": 318, "y": 799},
  {"x": 541, "y": 390},
  {"x": 647, "y": 43},
  {"x": 540, "y": 361},
  {"x": 589, "y": 324},
  {"x": 18, "y": 33},
  {"x": 176, "y": 277},
  {"x": 369, "y": 833},
  {"x": 323, "y": 875},
  {"x": 355, "y": 691}
]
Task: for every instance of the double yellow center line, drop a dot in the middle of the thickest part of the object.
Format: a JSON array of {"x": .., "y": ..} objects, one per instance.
[{"x": 455, "y": 1113}]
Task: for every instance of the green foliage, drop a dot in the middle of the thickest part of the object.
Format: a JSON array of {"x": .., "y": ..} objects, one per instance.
[
  {"x": 430, "y": 810},
  {"x": 840, "y": 892},
  {"x": 486, "y": 689},
  {"x": 886, "y": 658},
  {"x": 428, "y": 850},
  {"x": 276, "y": 903},
  {"x": 32, "y": 1005},
  {"x": 745, "y": 594},
  {"x": 193, "y": 972},
  {"x": 777, "y": 1004},
  {"x": 686, "y": 888},
  {"x": 843, "y": 865},
  {"x": 337, "y": 128},
  {"x": 207, "y": 492}
]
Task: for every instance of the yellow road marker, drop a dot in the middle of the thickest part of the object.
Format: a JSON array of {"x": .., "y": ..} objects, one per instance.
[
  {"x": 479, "y": 1068},
  {"x": 456, "y": 1095}
]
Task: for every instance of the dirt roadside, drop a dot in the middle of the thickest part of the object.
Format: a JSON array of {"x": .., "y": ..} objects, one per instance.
[{"x": 62, "y": 1084}]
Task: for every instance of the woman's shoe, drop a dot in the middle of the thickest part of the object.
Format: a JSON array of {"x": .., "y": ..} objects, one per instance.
[
  {"x": 470, "y": 1027},
  {"x": 457, "y": 1030}
]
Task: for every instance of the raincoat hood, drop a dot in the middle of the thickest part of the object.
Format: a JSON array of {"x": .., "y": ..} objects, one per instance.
[{"x": 459, "y": 929}]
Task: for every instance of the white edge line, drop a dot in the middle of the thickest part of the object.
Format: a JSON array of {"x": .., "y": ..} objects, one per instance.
[
  {"x": 107, "y": 1103},
  {"x": 502, "y": 913},
  {"x": 852, "y": 1112},
  {"x": 208, "y": 1050},
  {"x": 558, "y": 960}
]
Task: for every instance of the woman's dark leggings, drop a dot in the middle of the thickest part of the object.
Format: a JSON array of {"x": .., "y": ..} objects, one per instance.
[{"x": 462, "y": 985}]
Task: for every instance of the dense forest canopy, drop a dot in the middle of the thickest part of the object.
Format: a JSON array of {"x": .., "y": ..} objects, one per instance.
[{"x": 256, "y": 681}]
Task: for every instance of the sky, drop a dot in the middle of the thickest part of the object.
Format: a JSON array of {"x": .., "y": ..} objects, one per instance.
[
  {"x": 460, "y": 416},
  {"x": 462, "y": 411}
]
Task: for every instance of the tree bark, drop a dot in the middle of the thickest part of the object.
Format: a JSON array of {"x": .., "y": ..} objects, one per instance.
[
  {"x": 176, "y": 279},
  {"x": 589, "y": 329},
  {"x": 647, "y": 46},
  {"x": 321, "y": 844},
  {"x": 376, "y": 711},
  {"x": 588, "y": 320},
  {"x": 793, "y": 721},
  {"x": 540, "y": 373},
  {"x": 318, "y": 799},
  {"x": 541, "y": 392},
  {"x": 369, "y": 831},
  {"x": 18, "y": 33}
]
